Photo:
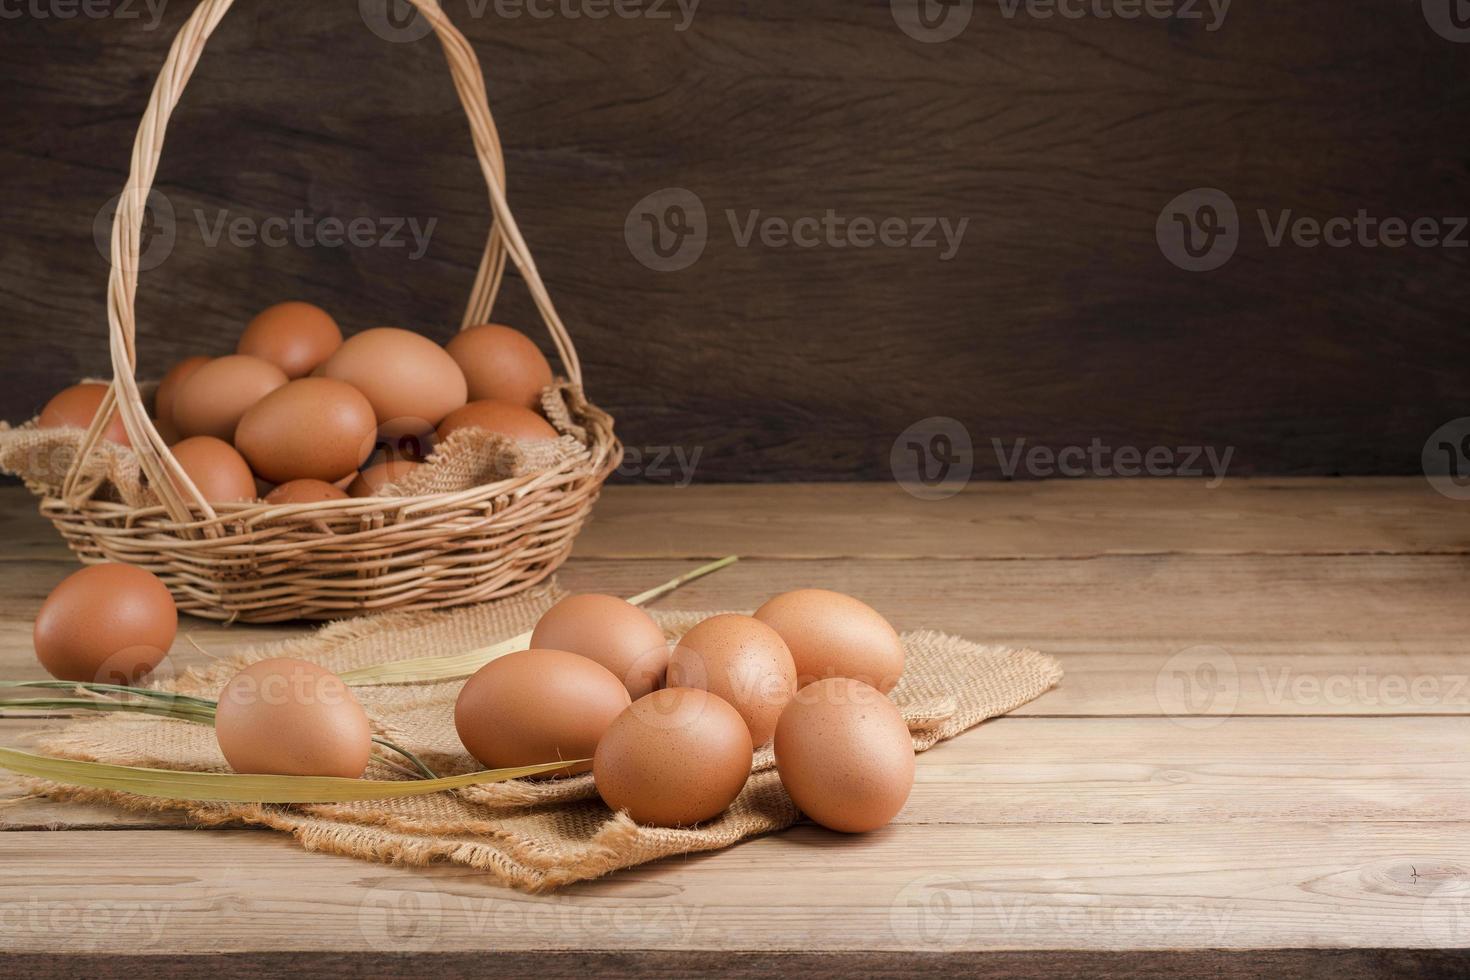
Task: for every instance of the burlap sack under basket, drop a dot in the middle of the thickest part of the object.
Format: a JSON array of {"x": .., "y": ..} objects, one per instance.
[
  {"x": 450, "y": 539},
  {"x": 534, "y": 835}
]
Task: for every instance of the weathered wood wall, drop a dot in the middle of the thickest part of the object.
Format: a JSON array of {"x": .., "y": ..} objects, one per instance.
[{"x": 1059, "y": 318}]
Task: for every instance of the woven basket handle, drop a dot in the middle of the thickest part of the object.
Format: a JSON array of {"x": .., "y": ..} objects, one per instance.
[{"x": 174, "y": 488}]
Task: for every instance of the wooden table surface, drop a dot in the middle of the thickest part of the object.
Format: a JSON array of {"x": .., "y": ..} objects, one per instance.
[{"x": 1260, "y": 752}]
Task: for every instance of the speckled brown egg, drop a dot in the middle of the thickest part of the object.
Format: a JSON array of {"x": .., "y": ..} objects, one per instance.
[
  {"x": 371, "y": 481},
  {"x": 742, "y": 660},
  {"x": 217, "y": 470},
  {"x": 845, "y": 755},
  {"x": 674, "y": 758},
  {"x": 611, "y": 631},
  {"x": 168, "y": 388},
  {"x": 311, "y": 428},
  {"x": 108, "y": 624},
  {"x": 411, "y": 381},
  {"x": 495, "y": 416},
  {"x": 211, "y": 401},
  {"x": 502, "y": 363},
  {"x": 288, "y": 717},
  {"x": 834, "y": 635},
  {"x": 75, "y": 407},
  {"x": 294, "y": 336},
  {"x": 305, "y": 492},
  {"x": 537, "y": 706}
]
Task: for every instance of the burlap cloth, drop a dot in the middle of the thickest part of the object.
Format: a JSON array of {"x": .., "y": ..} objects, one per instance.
[
  {"x": 534, "y": 835},
  {"x": 468, "y": 458}
]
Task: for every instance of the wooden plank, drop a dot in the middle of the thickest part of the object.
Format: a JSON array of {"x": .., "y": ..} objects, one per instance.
[
  {"x": 1081, "y": 771},
  {"x": 1296, "y": 635},
  {"x": 1046, "y": 887},
  {"x": 1057, "y": 319},
  {"x": 1052, "y": 519}
]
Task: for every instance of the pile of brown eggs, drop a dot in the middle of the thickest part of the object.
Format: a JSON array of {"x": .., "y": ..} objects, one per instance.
[
  {"x": 670, "y": 733},
  {"x": 299, "y": 415}
]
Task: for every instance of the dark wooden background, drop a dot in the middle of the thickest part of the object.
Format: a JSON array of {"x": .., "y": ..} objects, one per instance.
[{"x": 1059, "y": 320}]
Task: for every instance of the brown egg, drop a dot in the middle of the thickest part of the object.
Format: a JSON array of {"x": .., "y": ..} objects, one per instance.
[
  {"x": 537, "y": 706},
  {"x": 612, "y": 632},
  {"x": 411, "y": 381},
  {"x": 835, "y": 635},
  {"x": 845, "y": 755},
  {"x": 294, "y": 336},
  {"x": 75, "y": 407},
  {"x": 742, "y": 660},
  {"x": 168, "y": 388},
  {"x": 220, "y": 473},
  {"x": 370, "y": 482},
  {"x": 108, "y": 624},
  {"x": 673, "y": 758},
  {"x": 287, "y": 717},
  {"x": 311, "y": 428},
  {"x": 211, "y": 401},
  {"x": 305, "y": 492},
  {"x": 502, "y": 417},
  {"x": 502, "y": 363}
]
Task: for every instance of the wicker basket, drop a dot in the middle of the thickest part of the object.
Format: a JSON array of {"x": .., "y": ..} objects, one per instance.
[{"x": 262, "y": 563}]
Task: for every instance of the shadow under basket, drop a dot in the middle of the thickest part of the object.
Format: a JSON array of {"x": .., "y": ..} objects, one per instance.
[{"x": 256, "y": 562}]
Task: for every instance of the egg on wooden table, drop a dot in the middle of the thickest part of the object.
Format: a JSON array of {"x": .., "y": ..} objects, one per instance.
[
  {"x": 288, "y": 717},
  {"x": 108, "y": 624},
  {"x": 845, "y": 755},
  {"x": 211, "y": 401},
  {"x": 294, "y": 336},
  {"x": 673, "y": 758},
  {"x": 611, "y": 631},
  {"x": 411, "y": 382},
  {"x": 311, "y": 428},
  {"x": 217, "y": 470},
  {"x": 77, "y": 406},
  {"x": 537, "y": 706},
  {"x": 743, "y": 661},
  {"x": 500, "y": 417},
  {"x": 834, "y": 635},
  {"x": 501, "y": 363}
]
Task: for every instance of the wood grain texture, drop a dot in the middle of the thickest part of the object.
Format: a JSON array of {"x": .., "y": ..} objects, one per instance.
[
  {"x": 1306, "y": 818},
  {"x": 1058, "y": 320}
]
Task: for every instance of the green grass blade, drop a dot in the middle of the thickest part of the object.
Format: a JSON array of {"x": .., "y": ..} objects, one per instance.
[{"x": 217, "y": 787}]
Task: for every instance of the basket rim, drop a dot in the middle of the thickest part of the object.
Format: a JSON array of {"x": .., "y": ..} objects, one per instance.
[{"x": 601, "y": 456}]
